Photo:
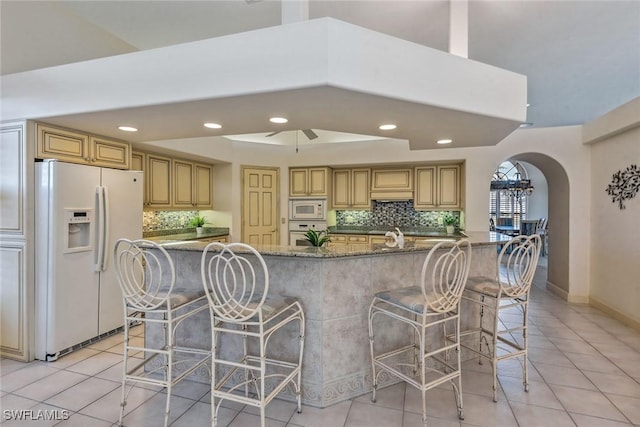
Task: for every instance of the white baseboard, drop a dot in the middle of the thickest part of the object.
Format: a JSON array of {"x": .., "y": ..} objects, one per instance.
[
  {"x": 575, "y": 299},
  {"x": 635, "y": 324}
]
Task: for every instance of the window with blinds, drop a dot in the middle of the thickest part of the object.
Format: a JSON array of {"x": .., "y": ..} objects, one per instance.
[{"x": 502, "y": 206}]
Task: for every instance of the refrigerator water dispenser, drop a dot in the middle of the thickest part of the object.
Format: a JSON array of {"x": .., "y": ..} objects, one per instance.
[{"x": 78, "y": 235}]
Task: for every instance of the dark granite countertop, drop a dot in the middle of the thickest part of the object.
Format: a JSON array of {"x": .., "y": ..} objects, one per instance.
[
  {"x": 185, "y": 234},
  {"x": 407, "y": 231},
  {"x": 338, "y": 251}
]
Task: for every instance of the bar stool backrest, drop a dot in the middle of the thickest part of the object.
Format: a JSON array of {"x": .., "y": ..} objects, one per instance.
[
  {"x": 145, "y": 273},
  {"x": 444, "y": 275},
  {"x": 517, "y": 264},
  {"x": 235, "y": 290}
]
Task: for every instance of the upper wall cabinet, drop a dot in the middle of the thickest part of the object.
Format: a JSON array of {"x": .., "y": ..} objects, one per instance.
[
  {"x": 158, "y": 178},
  {"x": 438, "y": 187},
  {"x": 392, "y": 183},
  {"x": 174, "y": 183},
  {"x": 192, "y": 183},
  {"x": 76, "y": 147},
  {"x": 309, "y": 182},
  {"x": 351, "y": 189},
  {"x": 13, "y": 179}
]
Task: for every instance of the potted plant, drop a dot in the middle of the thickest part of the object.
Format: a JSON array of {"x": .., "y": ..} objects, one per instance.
[
  {"x": 198, "y": 222},
  {"x": 316, "y": 238},
  {"x": 450, "y": 222}
]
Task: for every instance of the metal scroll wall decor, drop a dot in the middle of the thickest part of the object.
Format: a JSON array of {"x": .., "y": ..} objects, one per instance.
[{"x": 624, "y": 185}]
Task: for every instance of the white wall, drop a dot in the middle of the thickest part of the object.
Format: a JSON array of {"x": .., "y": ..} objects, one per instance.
[
  {"x": 537, "y": 205},
  {"x": 615, "y": 233}
]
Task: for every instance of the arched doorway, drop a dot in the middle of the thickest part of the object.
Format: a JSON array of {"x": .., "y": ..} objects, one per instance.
[{"x": 558, "y": 216}]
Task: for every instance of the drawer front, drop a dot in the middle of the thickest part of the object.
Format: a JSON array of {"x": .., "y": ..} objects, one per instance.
[{"x": 355, "y": 240}]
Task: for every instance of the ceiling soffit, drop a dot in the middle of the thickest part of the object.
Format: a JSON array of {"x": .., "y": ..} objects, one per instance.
[{"x": 333, "y": 75}]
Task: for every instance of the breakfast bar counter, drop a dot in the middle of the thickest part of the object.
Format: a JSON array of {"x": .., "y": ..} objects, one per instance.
[{"x": 335, "y": 286}]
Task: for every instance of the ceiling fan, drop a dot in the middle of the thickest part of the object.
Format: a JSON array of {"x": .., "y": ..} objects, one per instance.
[{"x": 308, "y": 133}]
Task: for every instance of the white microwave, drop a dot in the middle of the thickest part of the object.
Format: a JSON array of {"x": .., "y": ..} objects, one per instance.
[{"x": 308, "y": 209}]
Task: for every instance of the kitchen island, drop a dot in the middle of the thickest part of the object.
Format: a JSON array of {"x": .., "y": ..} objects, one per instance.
[{"x": 335, "y": 286}]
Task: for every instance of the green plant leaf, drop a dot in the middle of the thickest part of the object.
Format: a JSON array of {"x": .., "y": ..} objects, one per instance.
[{"x": 315, "y": 238}]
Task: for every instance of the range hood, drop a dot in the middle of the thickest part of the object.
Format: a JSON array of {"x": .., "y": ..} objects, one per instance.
[{"x": 391, "y": 196}]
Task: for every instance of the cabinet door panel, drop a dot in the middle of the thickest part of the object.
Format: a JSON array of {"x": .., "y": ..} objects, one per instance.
[
  {"x": 392, "y": 180},
  {"x": 360, "y": 188},
  {"x": 61, "y": 144},
  {"x": 13, "y": 300},
  {"x": 159, "y": 181},
  {"x": 203, "y": 176},
  {"x": 425, "y": 195},
  {"x": 182, "y": 184},
  {"x": 318, "y": 182},
  {"x": 449, "y": 186},
  {"x": 137, "y": 161},
  {"x": 298, "y": 182},
  {"x": 111, "y": 154},
  {"x": 340, "y": 195},
  {"x": 12, "y": 180}
]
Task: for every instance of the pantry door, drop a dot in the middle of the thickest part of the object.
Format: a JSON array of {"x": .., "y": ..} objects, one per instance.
[{"x": 260, "y": 199}]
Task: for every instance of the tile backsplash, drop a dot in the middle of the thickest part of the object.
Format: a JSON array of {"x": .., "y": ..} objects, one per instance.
[
  {"x": 166, "y": 220},
  {"x": 400, "y": 214}
]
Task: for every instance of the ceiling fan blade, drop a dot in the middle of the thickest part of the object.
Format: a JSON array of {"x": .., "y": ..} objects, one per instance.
[
  {"x": 309, "y": 133},
  {"x": 273, "y": 133}
]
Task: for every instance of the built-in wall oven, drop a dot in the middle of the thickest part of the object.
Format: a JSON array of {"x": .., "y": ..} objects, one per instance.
[{"x": 297, "y": 230}]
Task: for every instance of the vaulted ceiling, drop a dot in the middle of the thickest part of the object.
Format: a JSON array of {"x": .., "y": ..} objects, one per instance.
[{"x": 581, "y": 58}]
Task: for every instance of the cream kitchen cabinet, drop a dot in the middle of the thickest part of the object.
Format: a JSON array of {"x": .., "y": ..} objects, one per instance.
[
  {"x": 76, "y": 147},
  {"x": 348, "y": 239},
  {"x": 309, "y": 182},
  {"x": 437, "y": 187},
  {"x": 16, "y": 239},
  {"x": 351, "y": 189},
  {"x": 338, "y": 239},
  {"x": 15, "y": 296},
  {"x": 158, "y": 181},
  {"x": 392, "y": 183},
  {"x": 138, "y": 161},
  {"x": 174, "y": 183},
  {"x": 192, "y": 184}
]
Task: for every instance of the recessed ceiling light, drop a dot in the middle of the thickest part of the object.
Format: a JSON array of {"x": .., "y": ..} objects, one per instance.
[
  {"x": 128, "y": 128},
  {"x": 387, "y": 127},
  {"x": 444, "y": 141},
  {"x": 279, "y": 120},
  {"x": 526, "y": 125},
  {"x": 213, "y": 125},
  {"x": 528, "y": 105}
]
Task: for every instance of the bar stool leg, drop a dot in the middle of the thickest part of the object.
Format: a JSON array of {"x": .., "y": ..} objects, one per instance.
[{"x": 299, "y": 379}]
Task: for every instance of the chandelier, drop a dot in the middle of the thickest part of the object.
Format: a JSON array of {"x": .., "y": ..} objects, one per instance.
[{"x": 514, "y": 188}]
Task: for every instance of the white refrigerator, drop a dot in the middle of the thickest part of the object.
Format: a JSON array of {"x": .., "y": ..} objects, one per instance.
[{"x": 80, "y": 213}]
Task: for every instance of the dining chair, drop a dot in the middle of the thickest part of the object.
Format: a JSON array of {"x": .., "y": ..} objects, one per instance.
[
  {"x": 236, "y": 283},
  {"x": 425, "y": 307},
  {"x": 146, "y": 275},
  {"x": 504, "y": 296},
  {"x": 543, "y": 232},
  {"x": 528, "y": 226}
]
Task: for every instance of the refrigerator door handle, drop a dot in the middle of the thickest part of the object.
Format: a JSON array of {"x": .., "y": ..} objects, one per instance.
[{"x": 102, "y": 228}]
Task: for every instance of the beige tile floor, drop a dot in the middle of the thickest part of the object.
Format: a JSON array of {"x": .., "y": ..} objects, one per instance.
[{"x": 584, "y": 371}]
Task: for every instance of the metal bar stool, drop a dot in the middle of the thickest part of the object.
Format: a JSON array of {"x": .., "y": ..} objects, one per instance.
[
  {"x": 434, "y": 304},
  {"x": 146, "y": 276},
  {"x": 236, "y": 280},
  {"x": 508, "y": 292}
]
